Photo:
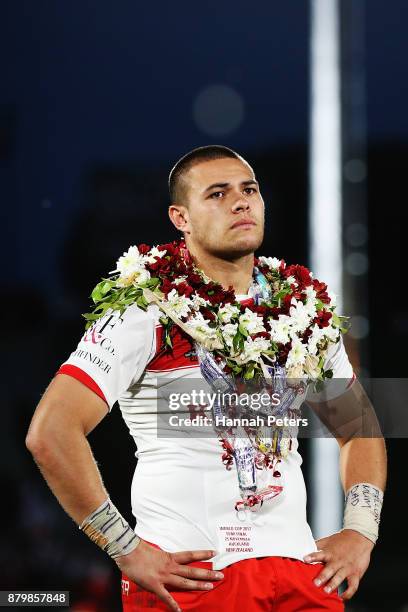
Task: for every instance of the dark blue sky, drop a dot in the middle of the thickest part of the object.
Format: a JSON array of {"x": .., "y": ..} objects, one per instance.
[{"x": 116, "y": 82}]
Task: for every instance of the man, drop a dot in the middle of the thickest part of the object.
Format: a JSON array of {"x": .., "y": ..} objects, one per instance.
[{"x": 181, "y": 492}]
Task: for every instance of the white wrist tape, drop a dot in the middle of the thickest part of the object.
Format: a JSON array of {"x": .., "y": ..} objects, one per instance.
[
  {"x": 363, "y": 509},
  {"x": 109, "y": 530}
]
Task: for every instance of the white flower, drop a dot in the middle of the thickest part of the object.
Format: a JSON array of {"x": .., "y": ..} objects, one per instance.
[
  {"x": 197, "y": 301},
  {"x": 300, "y": 318},
  {"x": 251, "y": 322},
  {"x": 272, "y": 262},
  {"x": 226, "y": 313},
  {"x": 228, "y": 332},
  {"x": 292, "y": 281},
  {"x": 179, "y": 305},
  {"x": 310, "y": 305},
  {"x": 135, "y": 278},
  {"x": 179, "y": 279},
  {"x": 198, "y": 320},
  {"x": 153, "y": 253},
  {"x": 331, "y": 333},
  {"x": 310, "y": 293},
  {"x": 202, "y": 325},
  {"x": 253, "y": 349},
  {"x": 280, "y": 329},
  {"x": 294, "y": 371},
  {"x": 310, "y": 308},
  {"x": 311, "y": 366},
  {"x": 297, "y": 354},
  {"x": 314, "y": 339},
  {"x": 130, "y": 262}
]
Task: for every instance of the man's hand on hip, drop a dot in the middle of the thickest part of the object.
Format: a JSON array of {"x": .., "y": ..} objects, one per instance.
[
  {"x": 346, "y": 556},
  {"x": 152, "y": 569}
]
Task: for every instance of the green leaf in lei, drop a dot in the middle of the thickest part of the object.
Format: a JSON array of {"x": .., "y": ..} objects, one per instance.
[
  {"x": 238, "y": 341},
  {"x": 106, "y": 295},
  {"x": 343, "y": 323},
  {"x": 242, "y": 330},
  {"x": 167, "y": 336},
  {"x": 279, "y": 295},
  {"x": 250, "y": 371},
  {"x": 102, "y": 290}
]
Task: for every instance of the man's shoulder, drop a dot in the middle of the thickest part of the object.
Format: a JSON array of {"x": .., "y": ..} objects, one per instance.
[{"x": 132, "y": 315}]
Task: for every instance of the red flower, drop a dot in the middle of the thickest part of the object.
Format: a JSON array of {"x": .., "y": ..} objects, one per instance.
[
  {"x": 143, "y": 248},
  {"x": 160, "y": 266},
  {"x": 283, "y": 353},
  {"x": 263, "y": 334},
  {"x": 180, "y": 266},
  {"x": 184, "y": 289},
  {"x": 321, "y": 291},
  {"x": 221, "y": 296},
  {"x": 228, "y": 296},
  {"x": 300, "y": 273},
  {"x": 275, "y": 312},
  {"x": 261, "y": 310},
  {"x": 194, "y": 279},
  {"x": 212, "y": 292},
  {"x": 286, "y": 304},
  {"x": 171, "y": 247},
  {"x": 323, "y": 318},
  {"x": 306, "y": 335},
  {"x": 207, "y": 313},
  {"x": 297, "y": 294},
  {"x": 166, "y": 286}
]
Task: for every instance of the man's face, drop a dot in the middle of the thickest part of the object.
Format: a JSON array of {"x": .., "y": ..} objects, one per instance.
[{"x": 225, "y": 210}]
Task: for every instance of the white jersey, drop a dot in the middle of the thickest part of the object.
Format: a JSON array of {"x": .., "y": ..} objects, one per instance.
[{"x": 183, "y": 497}]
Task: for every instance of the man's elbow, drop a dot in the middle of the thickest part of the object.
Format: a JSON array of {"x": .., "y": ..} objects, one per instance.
[
  {"x": 44, "y": 431},
  {"x": 36, "y": 441}
]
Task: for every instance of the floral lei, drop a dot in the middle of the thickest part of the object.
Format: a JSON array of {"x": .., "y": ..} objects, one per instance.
[{"x": 293, "y": 329}]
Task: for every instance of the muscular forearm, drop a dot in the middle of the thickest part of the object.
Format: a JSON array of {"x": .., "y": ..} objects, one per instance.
[
  {"x": 363, "y": 460},
  {"x": 65, "y": 459}
]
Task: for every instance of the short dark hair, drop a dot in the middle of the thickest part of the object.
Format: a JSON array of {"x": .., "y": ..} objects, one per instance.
[{"x": 201, "y": 154}]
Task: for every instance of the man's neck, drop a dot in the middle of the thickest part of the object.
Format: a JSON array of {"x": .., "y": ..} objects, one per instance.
[{"x": 237, "y": 272}]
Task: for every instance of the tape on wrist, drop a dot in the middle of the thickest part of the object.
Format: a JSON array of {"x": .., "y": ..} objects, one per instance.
[
  {"x": 110, "y": 531},
  {"x": 363, "y": 509}
]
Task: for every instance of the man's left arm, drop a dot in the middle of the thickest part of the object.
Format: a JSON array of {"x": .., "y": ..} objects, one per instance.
[{"x": 363, "y": 466}]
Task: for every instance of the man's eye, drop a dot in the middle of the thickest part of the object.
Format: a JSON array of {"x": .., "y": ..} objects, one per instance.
[
  {"x": 250, "y": 190},
  {"x": 216, "y": 195}
]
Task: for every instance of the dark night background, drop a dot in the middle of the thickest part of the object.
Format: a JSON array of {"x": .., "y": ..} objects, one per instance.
[{"x": 98, "y": 101}]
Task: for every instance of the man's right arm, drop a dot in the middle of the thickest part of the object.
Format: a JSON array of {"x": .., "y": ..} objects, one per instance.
[{"x": 66, "y": 414}]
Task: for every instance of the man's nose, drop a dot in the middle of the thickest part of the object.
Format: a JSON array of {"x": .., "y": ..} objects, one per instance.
[{"x": 240, "y": 204}]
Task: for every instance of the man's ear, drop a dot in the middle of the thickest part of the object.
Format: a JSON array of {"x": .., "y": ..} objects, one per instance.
[{"x": 179, "y": 217}]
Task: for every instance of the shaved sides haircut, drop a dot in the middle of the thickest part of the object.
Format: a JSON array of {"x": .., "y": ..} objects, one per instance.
[{"x": 177, "y": 183}]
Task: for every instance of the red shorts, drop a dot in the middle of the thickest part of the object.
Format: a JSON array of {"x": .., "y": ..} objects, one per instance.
[{"x": 260, "y": 584}]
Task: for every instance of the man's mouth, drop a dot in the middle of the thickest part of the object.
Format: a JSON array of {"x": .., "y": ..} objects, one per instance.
[{"x": 243, "y": 223}]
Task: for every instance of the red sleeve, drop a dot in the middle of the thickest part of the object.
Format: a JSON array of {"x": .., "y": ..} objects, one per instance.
[{"x": 83, "y": 377}]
